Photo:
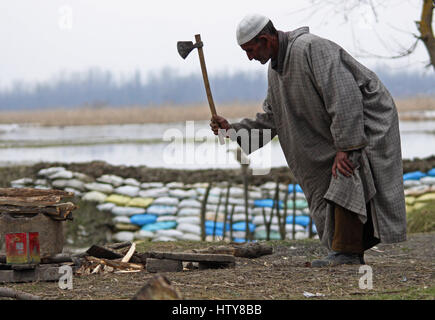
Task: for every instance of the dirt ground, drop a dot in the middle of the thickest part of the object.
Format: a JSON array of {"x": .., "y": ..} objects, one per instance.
[
  {"x": 91, "y": 226},
  {"x": 400, "y": 271}
]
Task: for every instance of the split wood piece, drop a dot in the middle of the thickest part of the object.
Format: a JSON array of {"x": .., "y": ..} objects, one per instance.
[
  {"x": 115, "y": 264},
  {"x": 158, "y": 288},
  {"x": 97, "y": 269},
  {"x": 10, "y": 293},
  {"x": 101, "y": 252},
  {"x": 130, "y": 253},
  {"x": 126, "y": 271},
  {"x": 40, "y": 273},
  {"x": 33, "y": 192},
  {"x": 92, "y": 267},
  {"x": 163, "y": 265},
  {"x": 248, "y": 250},
  {"x": 137, "y": 258},
  {"x": 62, "y": 210}
]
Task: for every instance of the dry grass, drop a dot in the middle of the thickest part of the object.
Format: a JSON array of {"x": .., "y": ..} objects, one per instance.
[
  {"x": 415, "y": 104},
  {"x": 408, "y": 108},
  {"x": 164, "y": 114},
  {"x": 125, "y": 115}
]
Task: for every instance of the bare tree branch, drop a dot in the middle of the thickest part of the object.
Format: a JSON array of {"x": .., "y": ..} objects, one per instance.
[
  {"x": 346, "y": 7},
  {"x": 402, "y": 54}
]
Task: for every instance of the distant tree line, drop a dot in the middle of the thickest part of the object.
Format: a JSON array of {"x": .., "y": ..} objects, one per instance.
[{"x": 99, "y": 88}]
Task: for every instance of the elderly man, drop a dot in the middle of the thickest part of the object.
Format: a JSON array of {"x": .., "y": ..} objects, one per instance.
[{"x": 338, "y": 127}]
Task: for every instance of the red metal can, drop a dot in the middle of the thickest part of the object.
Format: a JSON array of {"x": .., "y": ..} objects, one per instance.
[{"x": 22, "y": 248}]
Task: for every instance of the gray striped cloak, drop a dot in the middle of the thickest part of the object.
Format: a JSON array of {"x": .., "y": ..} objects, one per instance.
[{"x": 320, "y": 100}]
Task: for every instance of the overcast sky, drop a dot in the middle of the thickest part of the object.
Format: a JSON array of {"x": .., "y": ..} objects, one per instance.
[{"x": 41, "y": 39}]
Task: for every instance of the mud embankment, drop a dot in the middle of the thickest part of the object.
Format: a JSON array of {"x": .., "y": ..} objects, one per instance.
[{"x": 97, "y": 168}]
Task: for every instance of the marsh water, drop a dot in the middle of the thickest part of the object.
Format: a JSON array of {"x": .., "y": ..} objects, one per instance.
[{"x": 184, "y": 145}]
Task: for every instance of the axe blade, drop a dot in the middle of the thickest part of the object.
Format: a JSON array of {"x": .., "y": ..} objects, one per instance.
[{"x": 184, "y": 48}]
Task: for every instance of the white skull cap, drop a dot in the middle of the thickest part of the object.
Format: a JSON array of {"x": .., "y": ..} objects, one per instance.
[{"x": 249, "y": 27}]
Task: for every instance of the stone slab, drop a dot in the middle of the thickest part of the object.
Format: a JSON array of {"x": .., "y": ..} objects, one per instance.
[
  {"x": 39, "y": 273},
  {"x": 163, "y": 265},
  {"x": 193, "y": 257}
]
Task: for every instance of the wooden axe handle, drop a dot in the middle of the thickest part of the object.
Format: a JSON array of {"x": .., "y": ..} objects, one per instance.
[
  {"x": 207, "y": 85},
  {"x": 205, "y": 76}
]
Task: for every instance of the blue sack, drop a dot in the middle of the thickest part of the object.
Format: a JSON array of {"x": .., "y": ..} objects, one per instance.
[
  {"x": 217, "y": 232},
  {"x": 415, "y": 175},
  {"x": 267, "y": 203},
  {"x": 431, "y": 172},
  {"x": 159, "y": 226},
  {"x": 219, "y": 225},
  {"x": 142, "y": 219},
  {"x": 300, "y": 220},
  {"x": 241, "y": 226},
  {"x": 291, "y": 188}
]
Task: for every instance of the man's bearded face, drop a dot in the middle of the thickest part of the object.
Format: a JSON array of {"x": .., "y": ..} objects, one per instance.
[{"x": 257, "y": 50}]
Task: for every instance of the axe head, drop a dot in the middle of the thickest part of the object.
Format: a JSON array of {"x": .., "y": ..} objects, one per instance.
[{"x": 185, "y": 47}]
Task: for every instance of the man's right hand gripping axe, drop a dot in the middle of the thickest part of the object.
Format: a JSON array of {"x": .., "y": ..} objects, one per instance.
[{"x": 219, "y": 125}]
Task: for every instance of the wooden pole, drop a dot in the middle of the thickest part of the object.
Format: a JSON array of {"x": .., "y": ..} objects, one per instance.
[
  {"x": 231, "y": 222},
  {"x": 226, "y": 210},
  {"x": 294, "y": 212},
  {"x": 203, "y": 210},
  {"x": 284, "y": 219},
  {"x": 278, "y": 214},
  {"x": 216, "y": 215},
  {"x": 248, "y": 235}
]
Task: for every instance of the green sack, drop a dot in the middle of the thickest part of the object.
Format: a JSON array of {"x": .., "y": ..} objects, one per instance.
[
  {"x": 262, "y": 235},
  {"x": 409, "y": 200},
  {"x": 300, "y": 204},
  {"x": 427, "y": 197}
]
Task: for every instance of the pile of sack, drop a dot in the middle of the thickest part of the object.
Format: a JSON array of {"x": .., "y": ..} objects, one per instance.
[
  {"x": 419, "y": 189},
  {"x": 171, "y": 211}
]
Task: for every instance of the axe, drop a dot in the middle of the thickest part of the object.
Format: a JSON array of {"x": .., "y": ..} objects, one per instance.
[{"x": 184, "y": 48}]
